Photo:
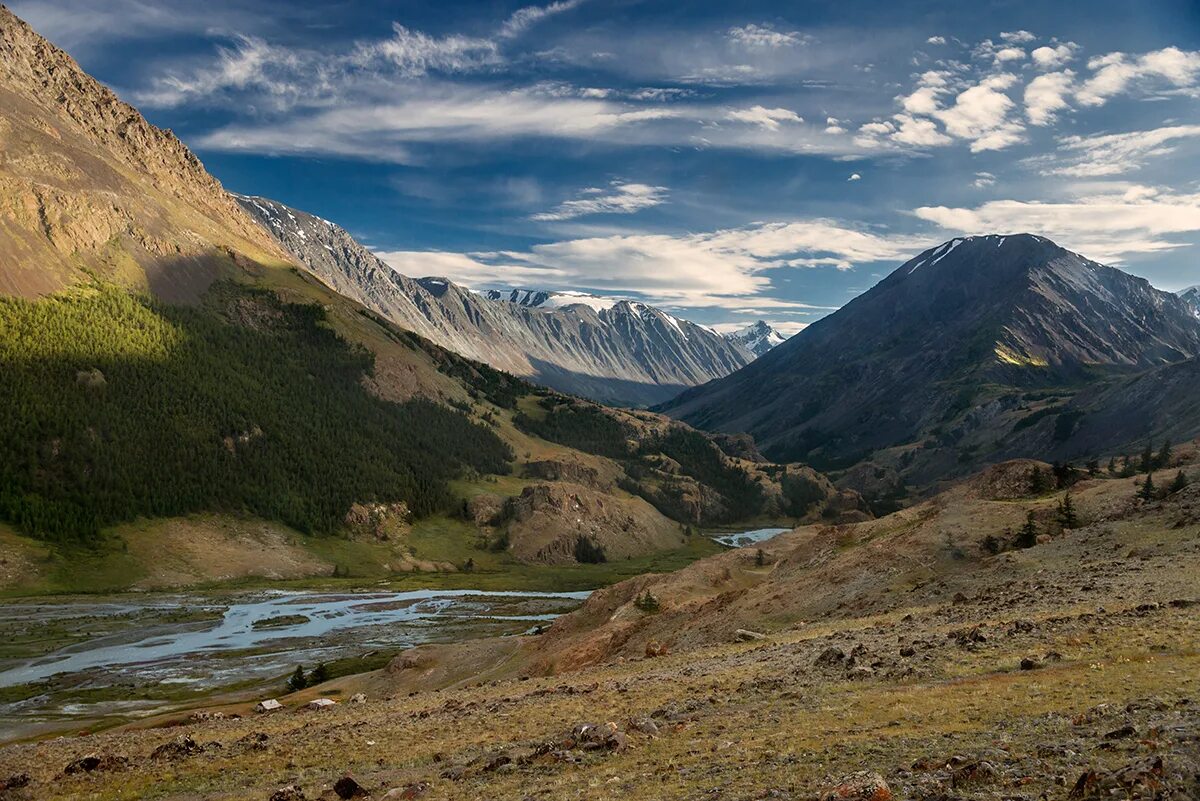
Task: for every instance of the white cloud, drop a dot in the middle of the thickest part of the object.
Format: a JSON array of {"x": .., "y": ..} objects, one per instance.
[
  {"x": 1051, "y": 58},
  {"x": 1105, "y": 227},
  {"x": 1101, "y": 155},
  {"x": 980, "y": 114},
  {"x": 936, "y": 40},
  {"x": 1115, "y": 73},
  {"x": 468, "y": 270},
  {"x": 768, "y": 118},
  {"x": 1046, "y": 95},
  {"x": 834, "y": 126},
  {"x": 765, "y": 36},
  {"x": 924, "y": 99},
  {"x": 983, "y": 180},
  {"x": 618, "y": 198},
  {"x": 854, "y": 177},
  {"x": 1017, "y": 37},
  {"x": 1009, "y": 54},
  {"x": 721, "y": 269}
]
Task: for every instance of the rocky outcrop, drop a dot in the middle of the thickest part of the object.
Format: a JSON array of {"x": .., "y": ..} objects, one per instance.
[
  {"x": 88, "y": 186},
  {"x": 564, "y": 523}
]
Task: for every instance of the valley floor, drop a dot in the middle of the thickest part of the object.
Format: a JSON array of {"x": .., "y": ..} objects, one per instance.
[{"x": 1072, "y": 671}]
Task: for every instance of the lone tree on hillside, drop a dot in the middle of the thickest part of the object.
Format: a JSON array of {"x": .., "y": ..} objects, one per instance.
[
  {"x": 647, "y": 602},
  {"x": 1028, "y": 533},
  {"x": 1066, "y": 513},
  {"x": 1147, "y": 491},
  {"x": 1037, "y": 481},
  {"x": 1178, "y": 484},
  {"x": 298, "y": 680}
]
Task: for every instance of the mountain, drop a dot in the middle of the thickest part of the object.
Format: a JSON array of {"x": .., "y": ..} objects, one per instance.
[
  {"x": 1191, "y": 297},
  {"x": 206, "y": 385},
  {"x": 88, "y": 188},
  {"x": 758, "y": 338},
  {"x": 926, "y": 374},
  {"x": 614, "y": 351}
]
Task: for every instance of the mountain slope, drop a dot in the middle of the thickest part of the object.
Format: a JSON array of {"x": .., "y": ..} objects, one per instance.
[
  {"x": 612, "y": 351},
  {"x": 758, "y": 338},
  {"x": 88, "y": 187},
  {"x": 945, "y": 356}
]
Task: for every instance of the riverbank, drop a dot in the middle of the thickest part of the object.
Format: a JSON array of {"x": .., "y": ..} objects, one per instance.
[{"x": 231, "y": 553}]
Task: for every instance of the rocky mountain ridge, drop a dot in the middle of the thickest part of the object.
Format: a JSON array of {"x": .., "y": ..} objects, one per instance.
[{"x": 614, "y": 351}]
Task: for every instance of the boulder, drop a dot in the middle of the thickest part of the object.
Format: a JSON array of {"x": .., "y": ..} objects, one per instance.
[
  {"x": 863, "y": 786},
  {"x": 97, "y": 762},
  {"x": 830, "y": 656},
  {"x": 183, "y": 746},
  {"x": 745, "y": 635},
  {"x": 347, "y": 788},
  {"x": 407, "y": 793},
  {"x": 358, "y": 698}
]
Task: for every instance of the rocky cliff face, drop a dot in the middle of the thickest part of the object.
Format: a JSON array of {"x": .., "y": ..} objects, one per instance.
[
  {"x": 88, "y": 186},
  {"x": 613, "y": 351},
  {"x": 946, "y": 356}
]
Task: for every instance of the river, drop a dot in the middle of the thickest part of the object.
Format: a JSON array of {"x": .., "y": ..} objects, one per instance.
[{"x": 90, "y": 660}]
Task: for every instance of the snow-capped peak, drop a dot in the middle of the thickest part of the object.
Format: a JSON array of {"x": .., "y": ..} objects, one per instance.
[
  {"x": 758, "y": 338},
  {"x": 542, "y": 299}
]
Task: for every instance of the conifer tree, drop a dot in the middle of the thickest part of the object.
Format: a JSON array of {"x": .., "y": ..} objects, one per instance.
[
  {"x": 1163, "y": 457},
  {"x": 1028, "y": 533},
  {"x": 1067, "y": 518},
  {"x": 298, "y": 680},
  {"x": 1147, "y": 491},
  {"x": 1180, "y": 482},
  {"x": 1147, "y": 464}
]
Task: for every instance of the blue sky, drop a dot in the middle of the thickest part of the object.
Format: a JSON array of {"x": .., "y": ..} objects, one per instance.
[{"x": 728, "y": 161}]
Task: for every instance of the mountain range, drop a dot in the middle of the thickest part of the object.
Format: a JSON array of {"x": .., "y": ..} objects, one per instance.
[
  {"x": 955, "y": 357},
  {"x": 614, "y": 351}
]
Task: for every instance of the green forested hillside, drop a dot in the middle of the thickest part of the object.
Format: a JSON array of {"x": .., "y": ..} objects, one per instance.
[{"x": 114, "y": 406}]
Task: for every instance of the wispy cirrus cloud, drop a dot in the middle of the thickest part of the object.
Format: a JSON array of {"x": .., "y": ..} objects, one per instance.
[
  {"x": 752, "y": 35},
  {"x": 1101, "y": 155},
  {"x": 618, "y": 198}
]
